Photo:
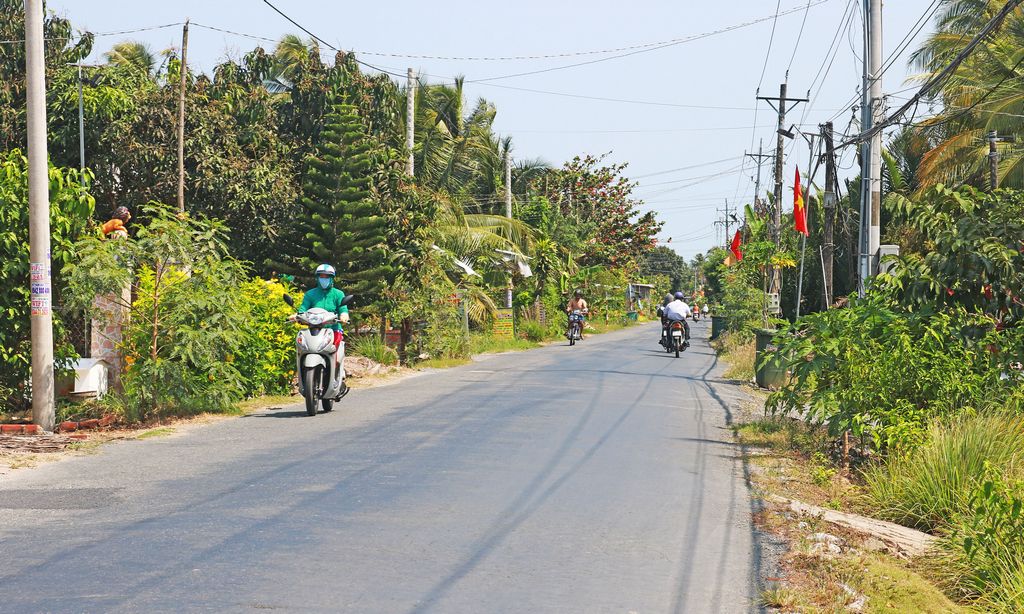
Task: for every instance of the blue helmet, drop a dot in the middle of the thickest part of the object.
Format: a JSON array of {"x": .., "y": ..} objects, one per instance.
[{"x": 679, "y": 296}]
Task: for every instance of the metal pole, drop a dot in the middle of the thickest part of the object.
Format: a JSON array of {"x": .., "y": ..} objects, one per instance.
[
  {"x": 865, "y": 165},
  {"x": 39, "y": 220},
  {"x": 81, "y": 129},
  {"x": 874, "y": 234},
  {"x": 811, "y": 168},
  {"x": 410, "y": 121},
  {"x": 181, "y": 118},
  {"x": 800, "y": 280}
]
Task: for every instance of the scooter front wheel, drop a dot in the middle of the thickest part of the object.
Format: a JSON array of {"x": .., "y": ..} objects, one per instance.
[{"x": 311, "y": 395}]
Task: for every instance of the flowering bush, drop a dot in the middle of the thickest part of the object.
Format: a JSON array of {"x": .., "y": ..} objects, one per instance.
[{"x": 266, "y": 358}]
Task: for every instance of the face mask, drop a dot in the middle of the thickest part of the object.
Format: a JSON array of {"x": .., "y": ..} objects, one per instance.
[{"x": 325, "y": 282}]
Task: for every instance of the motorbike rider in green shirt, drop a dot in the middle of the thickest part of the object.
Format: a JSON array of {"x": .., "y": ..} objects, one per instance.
[{"x": 325, "y": 296}]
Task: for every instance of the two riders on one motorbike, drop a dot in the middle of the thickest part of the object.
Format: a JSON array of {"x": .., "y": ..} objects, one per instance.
[{"x": 675, "y": 310}]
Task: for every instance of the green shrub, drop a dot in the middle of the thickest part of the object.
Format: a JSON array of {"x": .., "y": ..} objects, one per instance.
[
  {"x": 884, "y": 373},
  {"x": 373, "y": 347},
  {"x": 70, "y": 208},
  {"x": 532, "y": 330},
  {"x": 929, "y": 486},
  {"x": 187, "y": 323},
  {"x": 266, "y": 360}
]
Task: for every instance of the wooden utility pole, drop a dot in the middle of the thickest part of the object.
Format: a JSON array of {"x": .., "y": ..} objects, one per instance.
[
  {"x": 410, "y": 120},
  {"x": 41, "y": 315},
  {"x": 828, "y": 249},
  {"x": 993, "y": 157},
  {"x": 775, "y": 287},
  {"x": 181, "y": 118}
]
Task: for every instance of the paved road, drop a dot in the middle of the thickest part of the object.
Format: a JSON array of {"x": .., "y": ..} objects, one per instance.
[{"x": 599, "y": 478}]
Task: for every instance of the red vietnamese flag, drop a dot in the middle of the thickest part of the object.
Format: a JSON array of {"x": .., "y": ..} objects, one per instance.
[
  {"x": 737, "y": 241},
  {"x": 799, "y": 211}
]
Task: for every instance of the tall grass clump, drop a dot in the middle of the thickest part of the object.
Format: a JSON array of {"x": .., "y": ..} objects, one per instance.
[
  {"x": 930, "y": 485},
  {"x": 981, "y": 554},
  {"x": 373, "y": 347}
]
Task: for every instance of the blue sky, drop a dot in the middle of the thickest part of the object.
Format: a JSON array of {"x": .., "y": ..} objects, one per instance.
[{"x": 688, "y": 105}]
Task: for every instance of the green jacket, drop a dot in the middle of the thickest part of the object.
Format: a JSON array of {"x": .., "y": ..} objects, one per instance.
[{"x": 328, "y": 300}]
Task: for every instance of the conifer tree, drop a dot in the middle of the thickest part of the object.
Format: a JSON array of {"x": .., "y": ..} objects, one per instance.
[{"x": 341, "y": 224}]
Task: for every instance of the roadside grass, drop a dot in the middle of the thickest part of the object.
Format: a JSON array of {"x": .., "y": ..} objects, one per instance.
[
  {"x": 738, "y": 352},
  {"x": 373, "y": 347},
  {"x": 162, "y": 431},
  {"x": 258, "y": 403},
  {"x": 489, "y": 344},
  {"x": 782, "y": 435},
  {"x": 854, "y": 582},
  {"x": 928, "y": 487},
  {"x": 783, "y": 460},
  {"x": 600, "y": 326},
  {"x": 442, "y": 363}
]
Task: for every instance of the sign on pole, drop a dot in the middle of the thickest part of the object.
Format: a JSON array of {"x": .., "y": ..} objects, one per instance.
[{"x": 504, "y": 323}]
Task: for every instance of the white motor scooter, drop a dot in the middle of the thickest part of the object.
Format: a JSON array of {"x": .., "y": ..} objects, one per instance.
[{"x": 319, "y": 363}]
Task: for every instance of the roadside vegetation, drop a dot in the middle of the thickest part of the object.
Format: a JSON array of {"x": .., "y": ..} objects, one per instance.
[
  {"x": 292, "y": 160},
  {"x": 905, "y": 405}
]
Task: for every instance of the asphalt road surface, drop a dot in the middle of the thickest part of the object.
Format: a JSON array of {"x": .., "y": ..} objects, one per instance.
[{"x": 595, "y": 478}]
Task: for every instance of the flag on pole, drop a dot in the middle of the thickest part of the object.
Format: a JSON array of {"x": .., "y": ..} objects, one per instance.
[
  {"x": 799, "y": 211},
  {"x": 737, "y": 241}
]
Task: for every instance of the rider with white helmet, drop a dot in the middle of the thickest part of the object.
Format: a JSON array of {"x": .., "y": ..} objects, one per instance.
[{"x": 325, "y": 296}]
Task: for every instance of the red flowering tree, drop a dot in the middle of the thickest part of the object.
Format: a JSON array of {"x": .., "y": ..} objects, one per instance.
[{"x": 601, "y": 219}]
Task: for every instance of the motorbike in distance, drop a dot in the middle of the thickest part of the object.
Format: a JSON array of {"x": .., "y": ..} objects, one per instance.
[
  {"x": 320, "y": 358},
  {"x": 575, "y": 331}
]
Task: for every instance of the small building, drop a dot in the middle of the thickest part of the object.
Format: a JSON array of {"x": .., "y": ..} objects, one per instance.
[{"x": 639, "y": 296}]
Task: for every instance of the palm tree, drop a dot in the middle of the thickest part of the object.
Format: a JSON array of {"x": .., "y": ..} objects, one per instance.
[
  {"x": 983, "y": 94},
  {"x": 132, "y": 53},
  {"x": 291, "y": 53}
]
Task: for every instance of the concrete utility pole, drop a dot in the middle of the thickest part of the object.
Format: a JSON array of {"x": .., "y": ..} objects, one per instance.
[
  {"x": 759, "y": 157},
  {"x": 726, "y": 221},
  {"x": 508, "y": 214},
  {"x": 81, "y": 129},
  {"x": 828, "y": 249},
  {"x": 410, "y": 120},
  {"x": 874, "y": 235},
  {"x": 508, "y": 186},
  {"x": 181, "y": 118},
  {"x": 38, "y": 220},
  {"x": 775, "y": 287}
]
